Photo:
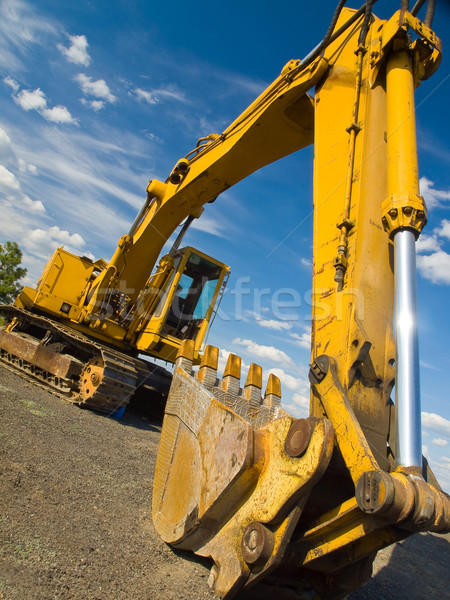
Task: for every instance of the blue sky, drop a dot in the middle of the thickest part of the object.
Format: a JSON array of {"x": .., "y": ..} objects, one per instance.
[{"x": 99, "y": 97}]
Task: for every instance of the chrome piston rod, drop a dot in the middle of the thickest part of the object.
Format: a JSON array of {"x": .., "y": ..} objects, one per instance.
[
  {"x": 406, "y": 208},
  {"x": 407, "y": 385}
]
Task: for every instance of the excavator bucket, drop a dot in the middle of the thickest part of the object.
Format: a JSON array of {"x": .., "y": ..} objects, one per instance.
[{"x": 234, "y": 469}]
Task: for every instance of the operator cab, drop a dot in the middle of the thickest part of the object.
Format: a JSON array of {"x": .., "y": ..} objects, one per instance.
[
  {"x": 187, "y": 303},
  {"x": 192, "y": 297}
]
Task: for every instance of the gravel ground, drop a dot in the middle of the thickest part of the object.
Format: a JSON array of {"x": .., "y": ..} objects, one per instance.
[{"x": 75, "y": 514}]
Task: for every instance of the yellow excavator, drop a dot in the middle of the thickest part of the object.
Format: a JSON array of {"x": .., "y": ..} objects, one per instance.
[{"x": 295, "y": 508}]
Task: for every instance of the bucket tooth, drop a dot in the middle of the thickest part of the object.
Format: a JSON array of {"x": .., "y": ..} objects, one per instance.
[
  {"x": 185, "y": 356},
  {"x": 231, "y": 377},
  {"x": 272, "y": 396},
  {"x": 207, "y": 373},
  {"x": 252, "y": 391},
  {"x": 253, "y": 384}
]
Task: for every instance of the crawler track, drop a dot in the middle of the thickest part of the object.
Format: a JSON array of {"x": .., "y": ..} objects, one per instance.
[{"x": 69, "y": 364}]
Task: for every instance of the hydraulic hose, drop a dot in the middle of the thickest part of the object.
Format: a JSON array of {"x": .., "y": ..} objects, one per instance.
[
  {"x": 330, "y": 36},
  {"x": 323, "y": 44},
  {"x": 431, "y": 5},
  {"x": 366, "y": 22},
  {"x": 417, "y": 6},
  {"x": 428, "y": 21}
]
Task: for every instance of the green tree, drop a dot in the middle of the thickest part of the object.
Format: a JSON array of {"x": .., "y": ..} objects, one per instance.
[{"x": 10, "y": 272}]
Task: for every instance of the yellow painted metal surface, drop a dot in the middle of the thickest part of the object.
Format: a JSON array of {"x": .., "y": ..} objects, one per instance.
[
  {"x": 64, "y": 280},
  {"x": 347, "y": 322},
  {"x": 403, "y": 207}
]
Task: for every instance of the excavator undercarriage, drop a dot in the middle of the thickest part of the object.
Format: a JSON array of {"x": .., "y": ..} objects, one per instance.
[{"x": 76, "y": 368}]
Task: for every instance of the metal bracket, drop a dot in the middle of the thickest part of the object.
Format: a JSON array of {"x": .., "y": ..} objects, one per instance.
[
  {"x": 430, "y": 47},
  {"x": 404, "y": 212}
]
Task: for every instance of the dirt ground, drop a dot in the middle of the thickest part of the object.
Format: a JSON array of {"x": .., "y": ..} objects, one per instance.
[{"x": 75, "y": 514}]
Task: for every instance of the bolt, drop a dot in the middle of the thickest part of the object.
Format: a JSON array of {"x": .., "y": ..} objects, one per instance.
[
  {"x": 257, "y": 543},
  {"x": 175, "y": 178},
  {"x": 298, "y": 437},
  {"x": 182, "y": 166},
  {"x": 393, "y": 213},
  {"x": 252, "y": 539},
  {"x": 95, "y": 379}
]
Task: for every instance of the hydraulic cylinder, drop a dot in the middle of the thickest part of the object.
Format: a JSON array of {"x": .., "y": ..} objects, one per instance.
[
  {"x": 407, "y": 385},
  {"x": 405, "y": 204}
]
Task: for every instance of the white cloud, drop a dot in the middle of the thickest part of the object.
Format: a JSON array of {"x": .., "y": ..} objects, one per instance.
[
  {"x": 267, "y": 352},
  {"x": 77, "y": 51},
  {"x": 435, "y": 267},
  {"x": 298, "y": 406},
  {"x": 146, "y": 96},
  {"x": 157, "y": 95},
  {"x": 10, "y": 187},
  {"x": 7, "y": 155},
  {"x": 274, "y": 324},
  {"x": 289, "y": 381},
  {"x": 12, "y": 83},
  {"x": 21, "y": 27},
  {"x": 5, "y": 140},
  {"x": 440, "y": 442},
  {"x": 94, "y": 104},
  {"x": 426, "y": 365},
  {"x": 42, "y": 242},
  {"x": 6, "y": 149},
  {"x": 303, "y": 340},
  {"x": 34, "y": 100},
  {"x": 301, "y": 400},
  {"x": 24, "y": 167},
  {"x": 209, "y": 225},
  {"x": 427, "y": 243},
  {"x": 444, "y": 230},
  {"x": 436, "y": 423},
  {"x": 34, "y": 205},
  {"x": 98, "y": 89},
  {"x": 441, "y": 469},
  {"x": 432, "y": 196},
  {"x": 153, "y": 138},
  {"x": 8, "y": 181},
  {"x": 58, "y": 114},
  {"x": 306, "y": 262}
]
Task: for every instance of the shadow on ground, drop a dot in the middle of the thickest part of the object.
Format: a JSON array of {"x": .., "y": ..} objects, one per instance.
[{"x": 416, "y": 568}]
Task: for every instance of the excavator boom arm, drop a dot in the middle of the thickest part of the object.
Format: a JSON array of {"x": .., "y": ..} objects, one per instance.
[{"x": 279, "y": 122}]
